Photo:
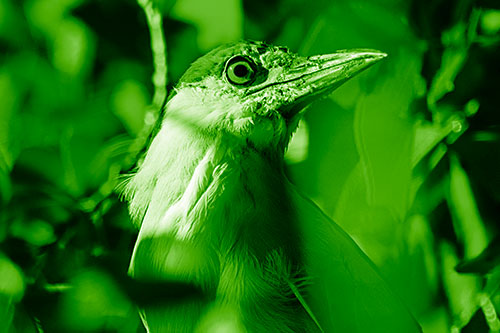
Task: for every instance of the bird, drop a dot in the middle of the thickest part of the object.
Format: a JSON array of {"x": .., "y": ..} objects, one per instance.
[{"x": 215, "y": 210}]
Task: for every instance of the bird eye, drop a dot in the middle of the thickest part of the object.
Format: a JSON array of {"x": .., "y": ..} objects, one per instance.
[{"x": 239, "y": 71}]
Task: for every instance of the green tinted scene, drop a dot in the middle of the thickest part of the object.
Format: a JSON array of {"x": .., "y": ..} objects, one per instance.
[{"x": 139, "y": 193}]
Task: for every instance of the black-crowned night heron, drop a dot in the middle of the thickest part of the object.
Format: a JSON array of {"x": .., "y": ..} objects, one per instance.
[{"x": 215, "y": 209}]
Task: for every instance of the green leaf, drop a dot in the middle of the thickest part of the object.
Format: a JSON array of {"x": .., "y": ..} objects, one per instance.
[
  {"x": 456, "y": 41},
  {"x": 12, "y": 288},
  {"x": 129, "y": 101},
  {"x": 12, "y": 281},
  {"x": 467, "y": 221},
  {"x": 346, "y": 291},
  {"x": 36, "y": 232},
  {"x": 490, "y": 21},
  {"x": 218, "y": 21},
  {"x": 94, "y": 303},
  {"x": 73, "y": 48},
  {"x": 298, "y": 147},
  {"x": 462, "y": 291}
]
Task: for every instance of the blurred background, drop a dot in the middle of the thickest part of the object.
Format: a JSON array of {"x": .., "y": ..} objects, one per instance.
[{"x": 405, "y": 157}]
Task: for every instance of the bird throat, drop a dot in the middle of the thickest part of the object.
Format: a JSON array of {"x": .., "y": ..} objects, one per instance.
[{"x": 215, "y": 214}]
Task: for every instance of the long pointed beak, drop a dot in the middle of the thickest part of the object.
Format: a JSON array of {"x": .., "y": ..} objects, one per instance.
[
  {"x": 328, "y": 71},
  {"x": 312, "y": 77}
]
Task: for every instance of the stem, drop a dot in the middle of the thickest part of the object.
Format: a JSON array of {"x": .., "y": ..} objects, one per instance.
[{"x": 159, "y": 50}]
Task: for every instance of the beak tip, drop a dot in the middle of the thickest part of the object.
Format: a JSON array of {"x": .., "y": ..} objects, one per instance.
[{"x": 376, "y": 55}]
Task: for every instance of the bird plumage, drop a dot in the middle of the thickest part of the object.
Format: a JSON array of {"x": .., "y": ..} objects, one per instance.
[{"x": 215, "y": 208}]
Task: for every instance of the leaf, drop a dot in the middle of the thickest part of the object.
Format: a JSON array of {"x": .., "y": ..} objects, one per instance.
[
  {"x": 164, "y": 6},
  {"x": 129, "y": 100},
  {"x": 9, "y": 98},
  {"x": 384, "y": 136},
  {"x": 461, "y": 290},
  {"x": 12, "y": 281},
  {"x": 11, "y": 291},
  {"x": 457, "y": 41},
  {"x": 346, "y": 292},
  {"x": 94, "y": 302},
  {"x": 490, "y": 21},
  {"x": 298, "y": 147},
  {"x": 73, "y": 48},
  {"x": 36, "y": 232},
  {"x": 467, "y": 222},
  {"x": 218, "y": 21}
]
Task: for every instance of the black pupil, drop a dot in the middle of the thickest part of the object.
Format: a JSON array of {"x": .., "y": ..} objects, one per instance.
[{"x": 240, "y": 70}]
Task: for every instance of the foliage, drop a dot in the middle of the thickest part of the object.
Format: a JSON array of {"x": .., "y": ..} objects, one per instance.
[{"x": 405, "y": 157}]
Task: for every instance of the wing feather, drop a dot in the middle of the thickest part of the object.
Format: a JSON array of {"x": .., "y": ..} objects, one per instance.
[{"x": 346, "y": 292}]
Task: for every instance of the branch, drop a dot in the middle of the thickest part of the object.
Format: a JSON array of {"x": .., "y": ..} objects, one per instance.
[{"x": 159, "y": 50}]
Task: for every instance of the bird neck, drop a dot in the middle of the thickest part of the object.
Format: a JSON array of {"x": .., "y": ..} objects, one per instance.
[{"x": 233, "y": 186}]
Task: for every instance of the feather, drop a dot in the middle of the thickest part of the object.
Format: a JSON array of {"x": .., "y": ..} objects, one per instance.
[{"x": 346, "y": 292}]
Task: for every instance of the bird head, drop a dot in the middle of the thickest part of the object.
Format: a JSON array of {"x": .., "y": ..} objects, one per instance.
[
  {"x": 256, "y": 92},
  {"x": 220, "y": 145},
  {"x": 244, "y": 96}
]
